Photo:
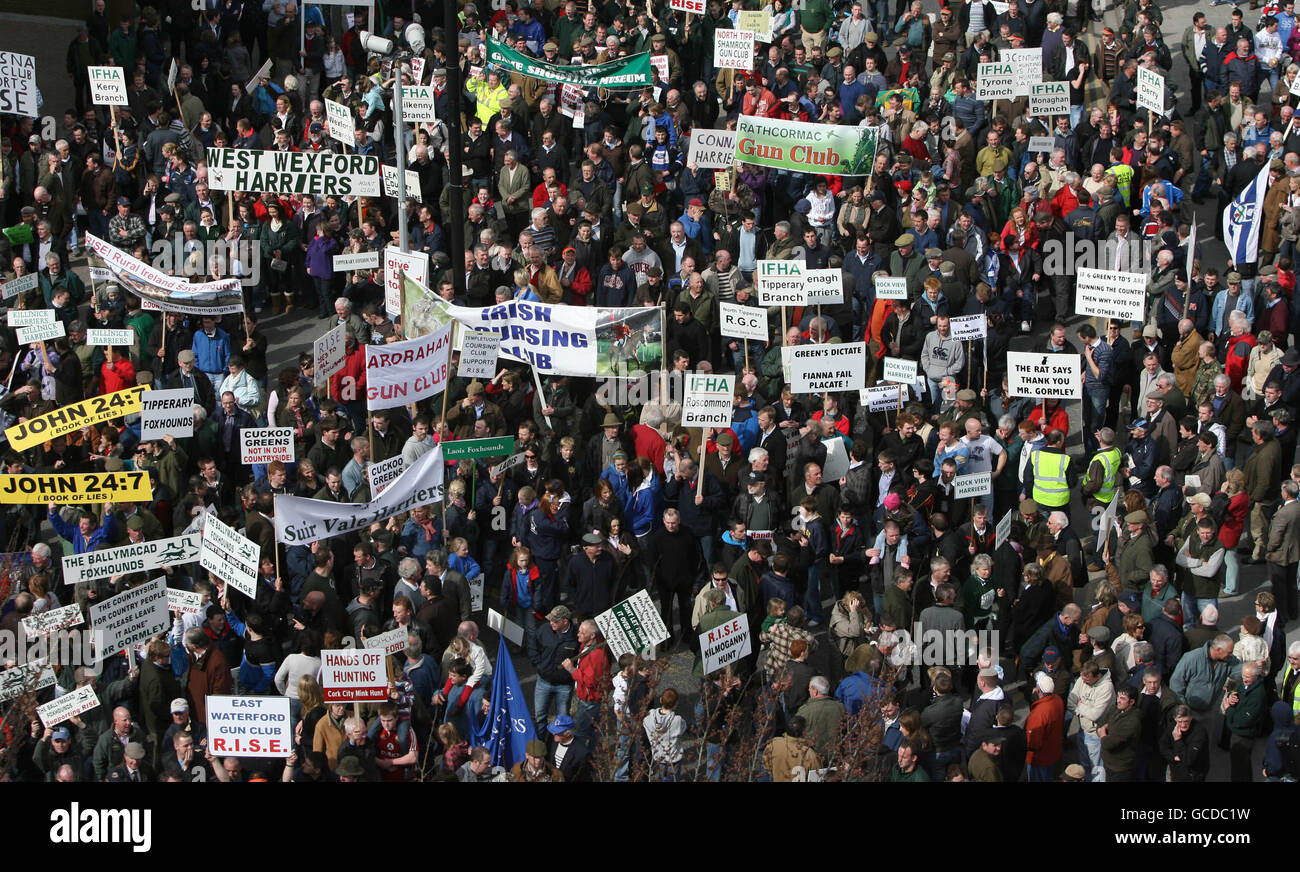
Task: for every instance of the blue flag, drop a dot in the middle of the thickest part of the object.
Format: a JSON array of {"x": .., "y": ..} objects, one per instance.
[
  {"x": 1241, "y": 220},
  {"x": 508, "y": 726}
]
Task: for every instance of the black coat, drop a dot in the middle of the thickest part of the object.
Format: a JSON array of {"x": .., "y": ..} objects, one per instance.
[{"x": 591, "y": 584}]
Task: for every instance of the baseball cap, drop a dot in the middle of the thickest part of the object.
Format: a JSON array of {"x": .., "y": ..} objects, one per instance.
[
  {"x": 179, "y": 705},
  {"x": 559, "y": 613}
]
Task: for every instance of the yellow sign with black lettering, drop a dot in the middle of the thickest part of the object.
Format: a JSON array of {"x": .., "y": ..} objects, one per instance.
[
  {"x": 74, "y": 416},
  {"x": 86, "y": 487}
]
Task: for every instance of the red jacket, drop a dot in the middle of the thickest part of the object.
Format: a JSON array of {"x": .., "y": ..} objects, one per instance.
[
  {"x": 352, "y": 376},
  {"x": 647, "y": 442},
  {"x": 1234, "y": 520},
  {"x": 1065, "y": 202},
  {"x": 116, "y": 376},
  {"x": 1239, "y": 356},
  {"x": 1059, "y": 419},
  {"x": 591, "y": 676},
  {"x": 1045, "y": 730}
]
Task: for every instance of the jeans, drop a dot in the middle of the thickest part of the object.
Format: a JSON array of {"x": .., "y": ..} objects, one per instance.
[
  {"x": 715, "y": 760},
  {"x": 216, "y": 378},
  {"x": 1231, "y": 568},
  {"x": 1039, "y": 773},
  {"x": 755, "y": 353},
  {"x": 1076, "y": 115},
  {"x": 526, "y": 618},
  {"x": 706, "y": 546},
  {"x": 542, "y": 697},
  {"x": 1095, "y": 397},
  {"x": 939, "y": 762},
  {"x": 1089, "y": 755},
  {"x": 1194, "y": 605},
  {"x": 1022, "y": 307},
  {"x": 584, "y": 719},
  {"x": 812, "y": 597}
]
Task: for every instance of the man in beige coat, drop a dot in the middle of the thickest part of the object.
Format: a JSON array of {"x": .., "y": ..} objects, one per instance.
[{"x": 784, "y": 753}]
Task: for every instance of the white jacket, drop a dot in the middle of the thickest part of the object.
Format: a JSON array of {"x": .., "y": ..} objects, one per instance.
[{"x": 1092, "y": 704}]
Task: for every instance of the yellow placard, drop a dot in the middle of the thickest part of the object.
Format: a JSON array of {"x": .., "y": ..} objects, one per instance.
[
  {"x": 74, "y": 416},
  {"x": 85, "y": 487}
]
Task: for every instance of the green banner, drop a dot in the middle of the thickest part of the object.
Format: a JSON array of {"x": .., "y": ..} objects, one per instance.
[
  {"x": 806, "y": 147},
  {"x": 629, "y": 72},
  {"x": 493, "y": 446}
]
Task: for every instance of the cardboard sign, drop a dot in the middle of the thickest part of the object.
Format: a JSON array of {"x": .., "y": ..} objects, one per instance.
[
  {"x": 264, "y": 444},
  {"x": 722, "y": 180},
  {"x": 131, "y": 617},
  {"x": 759, "y": 23},
  {"x": 329, "y": 352},
  {"x": 712, "y": 149},
  {"x": 249, "y": 726},
  {"x": 478, "y": 354},
  {"x": 342, "y": 127},
  {"x": 506, "y": 627},
  {"x": 116, "y": 338},
  {"x": 506, "y": 465},
  {"x": 781, "y": 283},
  {"x": 1049, "y": 98},
  {"x": 995, "y": 80},
  {"x": 1042, "y": 376},
  {"x": 391, "y": 642},
  {"x": 891, "y": 288},
  {"x": 384, "y": 473},
  {"x": 41, "y": 332},
  {"x": 1151, "y": 91},
  {"x": 263, "y": 72},
  {"x": 1003, "y": 531},
  {"x": 899, "y": 370},
  {"x": 28, "y": 317},
  {"x": 825, "y": 286},
  {"x": 354, "y": 675},
  {"x": 359, "y": 260},
  {"x": 25, "y": 678},
  {"x": 167, "y": 413},
  {"x": 418, "y": 104},
  {"x": 18, "y": 84},
  {"x": 742, "y": 322},
  {"x": 397, "y": 263},
  {"x": 293, "y": 172},
  {"x": 708, "y": 400},
  {"x": 632, "y": 626},
  {"x": 413, "y": 191},
  {"x": 142, "y": 557},
  {"x": 1027, "y": 67},
  {"x": 977, "y": 484},
  {"x": 14, "y": 287},
  {"x": 838, "y": 366},
  {"x": 1111, "y": 294},
  {"x": 725, "y": 643},
  {"x": 74, "y": 416},
  {"x": 967, "y": 327},
  {"x": 1042, "y": 144},
  {"x": 659, "y": 63},
  {"x": 231, "y": 556},
  {"x": 68, "y": 706},
  {"x": 107, "y": 86},
  {"x": 733, "y": 49},
  {"x": 884, "y": 398},
  {"x": 83, "y": 487},
  {"x": 52, "y": 620},
  {"x": 185, "y": 602},
  {"x": 836, "y": 465}
]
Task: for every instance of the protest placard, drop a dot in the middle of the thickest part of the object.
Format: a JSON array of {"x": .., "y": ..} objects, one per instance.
[
  {"x": 1114, "y": 294},
  {"x": 342, "y": 127},
  {"x": 264, "y": 444},
  {"x": 1003, "y": 531},
  {"x": 413, "y": 191},
  {"x": 130, "y": 617},
  {"x": 840, "y": 366},
  {"x": 329, "y": 352},
  {"x": 293, "y": 172},
  {"x": 836, "y": 464},
  {"x": 1043, "y": 376},
  {"x": 966, "y": 327},
  {"x": 186, "y": 602},
  {"x": 825, "y": 286},
  {"x": 1151, "y": 91},
  {"x": 757, "y": 22},
  {"x": 709, "y": 400},
  {"x": 14, "y": 287},
  {"x": 659, "y": 63},
  {"x": 18, "y": 84},
  {"x": 891, "y": 288},
  {"x": 230, "y": 555},
  {"x": 25, "y": 678},
  {"x": 391, "y": 642},
  {"x": 28, "y": 317},
  {"x": 1049, "y": 98},
  {"x": 696, "y": 6},
  {"x": 733, "y": 49},
  {"x": 1026, "y": 66},
  {"x": 263, "y": 72},
  {"x": 74, "y": 416},
  {"x": 995, "y": 80},
  {"x": 354, "y": 675},
  {"x": 1042, "y": 144},
  {"x": 508, "y": 464},
  {"x": 414, "y": 264},
  {"x": 385, "y": 472},
  {"x": 79, "y": 487},
  {"x": 490, "y": 446},
  {"x": 41, "y": 332},
  {"x": 781, "y": 283},
  {"x": 506, "y": 627},
  {"x": 249, "y": 726},
  {"x": 357, "y": 260},
  {"x": 107, "y": 86},
  {"x": 167, "y": 413},
  {"x": 70, "y": 705},
  {"x": 478, "y": 354},
  {"x": 899, "y": 370},
  {"x": 975, "y": 484},
  {"x": 712, "y": 149},
  {"x": 632, "y": 626},
  {"x": 405, "y": 372},
  {"x": 106, "y": 336},
  {"x": 726, "y": 643},
  {"x": 46, "y": 622},
  {"x": 742, "y": 322},
  {"x": 884, "y": 398},
  {"x": 141, "y": 557}
]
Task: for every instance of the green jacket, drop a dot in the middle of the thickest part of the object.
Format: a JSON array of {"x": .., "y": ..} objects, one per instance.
[
  {"x": 917, "y": 774},
  {"x": 1249, "y": 717},
  {"x": 824, "y": 716},
  {"x": 1119, "y": 748},
  {"x": 815, "y": 16},
  {"x": 1134, "y": 563}
]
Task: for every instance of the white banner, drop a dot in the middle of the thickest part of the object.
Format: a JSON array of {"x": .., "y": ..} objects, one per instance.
[
  {"x": 742, "y": 322},
  {"x": 414, "y": 264},
  {"x": 14, "y": 287},
  {"x": 249, "y": 726},
  {"x": 1049, "y": 98},
  {"x": 107, "y": 86},
  {"x": 708, "y": 400},
  {"x": 825, "y": 286},
  {"x": 384, "y": 473},
  {"x": 412, "y": 183},
  {"x": 995, "y": 80},
  {"x": 478, "y": 354},
  {"x": 899, "y": 370},
  {"x": 342, "y": 127},
  {"x": 359, "y": 260},
  {"x": 733, "y": 49},
  {"x": 353, "y": 675},
  {"x": 142, "y": 557},
  {"x": 301, "y": 521},
  {"x": 329, "y": 352},
  {"x": 41, "y": 332},
  {"x": 976, "y": 484},
  {"x": 726, "y": 643},
  {"x": 406, "y": 372},
  {"x": 105, "y": 336},
  {"x": 966, "y": 327},
  {"x": 891, "y": 288},
  {"x": 835, "y": 366},
  {"x": 173, "y": 293},
  {"x": 49, "y": 621},
  {"x": 1111, "y": 294},
  {"x": 264, "y": 444},
  {"x": 18, "y": 84},
  {"x": 231, "y": 556},
  {"x": 781, "y": 283},
  {"x": 1042, "y": 376},
  {"x": 28, "y": 317},
  {"x": 418, "y": 105},
  {"x": 1151, "y": 91},
  {"x": 131, "y": 617},
  {"x": 70, "y": 705},
  {"x": 712, "y": 149},
  {"x": 293, "y": 172},
  {"x": 167, "y": 413}
]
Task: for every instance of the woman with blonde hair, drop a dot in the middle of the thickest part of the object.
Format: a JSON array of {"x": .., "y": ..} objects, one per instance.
[
  {"x": 1106, "y": 600},
  {"x": 311, "y": 700},
  {"x": 849, "y": 622}
]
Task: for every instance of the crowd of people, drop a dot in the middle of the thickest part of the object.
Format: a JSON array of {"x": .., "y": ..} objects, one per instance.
[{"x": 589, "y": 197}]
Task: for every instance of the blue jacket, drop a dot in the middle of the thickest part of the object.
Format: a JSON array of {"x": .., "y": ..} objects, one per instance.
[
  {"x": 644, "y": 506},
  {"x": 104, "y": 533},
  {"x": 211, "y": 354},
  {"x": 697, "y": 519},
  {"x": 618, "y": 481},
  {"x": 856, "y": 689},
  {"x": 744, "y": 422},
  {"x": 519, "y": 521},
  {"x": 415, "y": 542},
  {"x": 546, "y": 536},
  {"x": 1283, "y": 727}
]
